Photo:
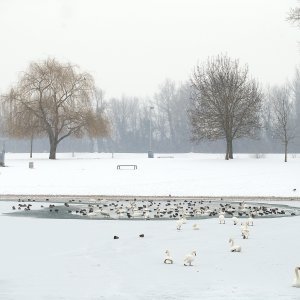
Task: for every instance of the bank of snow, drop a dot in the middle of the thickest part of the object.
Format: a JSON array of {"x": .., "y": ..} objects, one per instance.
[{"x": 184, "y": 174}]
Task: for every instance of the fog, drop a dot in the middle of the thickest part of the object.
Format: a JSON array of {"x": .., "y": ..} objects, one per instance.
[{"x": 131, "y": 46}]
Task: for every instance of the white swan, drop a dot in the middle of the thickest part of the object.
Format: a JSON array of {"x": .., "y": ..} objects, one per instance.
[
  {"x": 235, "y": 220},
  {"x": 245, "y": 231},
  {"x": 196, "y": 227},
  {"x": 179, "y": 224},
  {"x": 221, "y": 219},
  {"x": 250, "y": 221},
  {"x": 234, "y": 248},
  {"x": 296, "y": 282},
  {"x": 189, "y": 258},
  {"x": 168, "y": 258}
]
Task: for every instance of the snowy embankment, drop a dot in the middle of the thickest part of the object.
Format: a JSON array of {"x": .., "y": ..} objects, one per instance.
[{"x": 183, "y": 175}]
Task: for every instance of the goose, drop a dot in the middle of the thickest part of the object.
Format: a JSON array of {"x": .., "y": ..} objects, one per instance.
[
  {"x": 234, "y": 248},
  {"x": 196, "y": 227},
  {"x": 189, "y": 258},
  {"x": 296, "y": 282},
  {"x": 168, "y": 258}
]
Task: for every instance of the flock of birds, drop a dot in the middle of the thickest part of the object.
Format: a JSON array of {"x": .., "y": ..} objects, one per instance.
[
  {"x": 190, "y": 257},
  {"x": 167, "y": 209},
  {"x": 179, "y": 210}
]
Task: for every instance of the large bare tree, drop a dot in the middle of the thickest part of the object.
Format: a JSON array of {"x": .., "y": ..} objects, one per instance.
[
  {"x": 225, "y": 102},
  {"x": 57, "y": 98},
  {"x": 283, "y": 122},
  {"x": 294, "y": 15}
]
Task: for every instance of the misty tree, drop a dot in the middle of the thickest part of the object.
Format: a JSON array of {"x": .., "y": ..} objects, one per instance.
[
  {"x": 165, "y": 102},
  {"x": 99, "y": 106},
  {"x": 294, "y": 15},
  {"x": 21, "y": 125},
  {"x": 57, "y": 97},
  {"x": 225, "y": 102},
  {"x": 295, "y": 90},
  {"x": 282, "y": 116},
  {"x": 124, "y": 115}
]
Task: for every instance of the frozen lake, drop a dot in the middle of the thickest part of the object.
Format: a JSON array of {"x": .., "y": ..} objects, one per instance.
[{"x": 79, "y": 259}]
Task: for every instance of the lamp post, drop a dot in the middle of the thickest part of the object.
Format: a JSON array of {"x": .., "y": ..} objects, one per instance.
[
  {"x": 150, "y": 152},
  {"x": 2, "y": 154}
]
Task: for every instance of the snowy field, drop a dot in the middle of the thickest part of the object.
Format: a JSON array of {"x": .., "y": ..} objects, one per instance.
[
  {"x": 185, "y": 174},
  {"x": 71, "y": 259}
]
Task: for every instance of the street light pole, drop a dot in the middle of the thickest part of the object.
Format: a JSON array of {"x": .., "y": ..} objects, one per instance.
[
  {"x": 2, "y": 154},
  {"x": 150, "y": 152}
]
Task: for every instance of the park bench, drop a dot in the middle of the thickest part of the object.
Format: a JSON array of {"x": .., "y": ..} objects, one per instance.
[{"x": 120, "y": 167}]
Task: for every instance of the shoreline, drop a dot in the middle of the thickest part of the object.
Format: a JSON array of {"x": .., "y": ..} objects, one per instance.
[{"x": 96, "y": 198}]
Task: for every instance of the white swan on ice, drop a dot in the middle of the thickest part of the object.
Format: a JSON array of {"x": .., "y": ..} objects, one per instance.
[
  {"x": 233, "y": 247},
  {"x": 221, "y": 219},
  {"x": 196, "y": 227},
  {"x": 296, "y": 282},
  {"x": 189, "y": 258},
  {"x": 168, "y": 258}
]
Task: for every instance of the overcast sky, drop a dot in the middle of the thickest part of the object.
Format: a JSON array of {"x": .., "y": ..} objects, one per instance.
[{"x": 131, "y": 46}]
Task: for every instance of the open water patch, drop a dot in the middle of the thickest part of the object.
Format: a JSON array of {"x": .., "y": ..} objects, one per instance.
[{"x": 129, "y": 209}]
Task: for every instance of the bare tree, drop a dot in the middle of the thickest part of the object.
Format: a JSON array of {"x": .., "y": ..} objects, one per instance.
[
  {"x": 282, "y": 116},
  {"x": 294, "y": 15},
  {"x": 166, "y": 101},
  {"x": 58, "y": 97},
  {"x": 225, "y": 103}
]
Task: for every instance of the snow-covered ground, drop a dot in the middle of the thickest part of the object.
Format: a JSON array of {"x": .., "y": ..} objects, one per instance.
[
  {"x": 79, "y": 259},
  {"x": 71, "y": 259},
  {"x": 185, "y": 174}
]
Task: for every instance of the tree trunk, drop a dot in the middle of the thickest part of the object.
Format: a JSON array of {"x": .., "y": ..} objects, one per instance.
[
  {"x": 285, "y": 151},
  {"x": 53, "y": 146},
  {"x": 229, "y": 151}
]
